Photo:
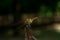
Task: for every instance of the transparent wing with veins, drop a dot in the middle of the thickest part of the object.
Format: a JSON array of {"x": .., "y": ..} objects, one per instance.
[{"x": 30, "y": 20}]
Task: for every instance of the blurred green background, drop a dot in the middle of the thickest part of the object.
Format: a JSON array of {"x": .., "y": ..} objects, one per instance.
[{"x": 11, "y": 24}]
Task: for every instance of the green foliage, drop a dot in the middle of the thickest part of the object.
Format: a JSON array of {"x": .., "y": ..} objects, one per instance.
[
  {"x": 58, "y": 6},
  {"x": 49, "y": 14},
  {"x": 43, "y": 9}
]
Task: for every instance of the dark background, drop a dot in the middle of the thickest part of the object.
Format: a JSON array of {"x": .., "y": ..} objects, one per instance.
[{"x": 11, "y": 24}]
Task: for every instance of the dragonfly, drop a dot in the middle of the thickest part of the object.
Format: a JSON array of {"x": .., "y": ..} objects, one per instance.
[{"x": 28, "y": 31}]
